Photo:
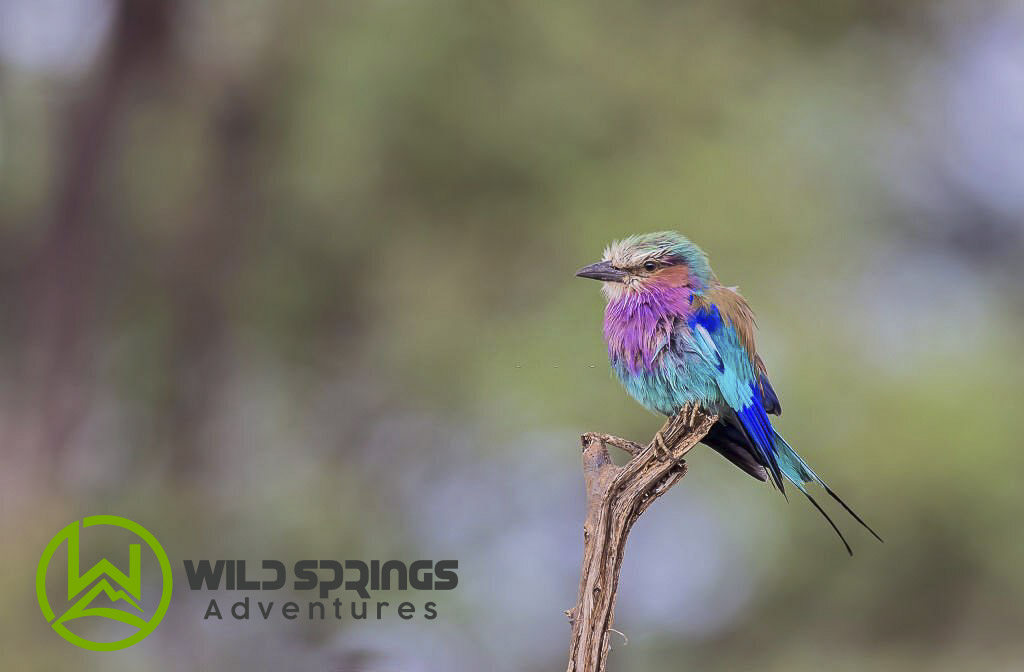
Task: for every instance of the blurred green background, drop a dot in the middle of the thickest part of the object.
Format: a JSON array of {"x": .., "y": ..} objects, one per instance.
[{"x": 296, "y": 280}]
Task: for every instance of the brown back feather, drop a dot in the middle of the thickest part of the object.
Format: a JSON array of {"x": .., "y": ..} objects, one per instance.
[{"x": 736, "y": 311}]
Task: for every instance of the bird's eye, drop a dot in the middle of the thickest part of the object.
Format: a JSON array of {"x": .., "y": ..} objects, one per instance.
[{"x": 650, "y": 266}]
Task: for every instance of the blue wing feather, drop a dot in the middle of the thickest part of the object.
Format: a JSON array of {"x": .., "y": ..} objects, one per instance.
[
  {"x": 754, "y": 422},
  {"x": 739, "y": 383}
]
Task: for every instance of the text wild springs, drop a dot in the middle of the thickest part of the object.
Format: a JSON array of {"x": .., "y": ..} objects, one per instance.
[{"x": 324, "y": 576}]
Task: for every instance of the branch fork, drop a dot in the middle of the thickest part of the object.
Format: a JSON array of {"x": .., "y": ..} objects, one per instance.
[{"x": 616, "y": 497}]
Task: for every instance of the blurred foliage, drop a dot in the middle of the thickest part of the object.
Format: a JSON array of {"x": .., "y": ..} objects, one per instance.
[{"x": 296, "y": 280}]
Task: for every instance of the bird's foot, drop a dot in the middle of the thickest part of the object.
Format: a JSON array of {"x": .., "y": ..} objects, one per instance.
[
  {"x": 689, "y": 413},
  {"x": 661, "y": 448}
]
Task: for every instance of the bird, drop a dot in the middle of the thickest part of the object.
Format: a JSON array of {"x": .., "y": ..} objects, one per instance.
[{"x": 678, "y": 336}]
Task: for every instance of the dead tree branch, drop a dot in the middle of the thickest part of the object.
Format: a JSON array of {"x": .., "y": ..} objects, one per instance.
[{"x": 616, "y": 496}]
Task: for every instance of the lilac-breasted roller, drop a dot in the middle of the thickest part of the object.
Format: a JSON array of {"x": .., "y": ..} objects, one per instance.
[{"x": 676, "y": 335}]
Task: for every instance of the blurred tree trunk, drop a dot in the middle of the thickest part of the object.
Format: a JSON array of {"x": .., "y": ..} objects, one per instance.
[
  {"x": 64, "y": 276},
  {"x": 200, "y": 274}
]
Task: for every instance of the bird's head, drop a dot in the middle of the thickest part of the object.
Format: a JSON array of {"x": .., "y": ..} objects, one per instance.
[{"x": 650, "y": 262}]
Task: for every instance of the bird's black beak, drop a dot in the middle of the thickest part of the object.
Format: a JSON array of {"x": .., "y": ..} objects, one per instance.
[{"x": 602, "y": 270}]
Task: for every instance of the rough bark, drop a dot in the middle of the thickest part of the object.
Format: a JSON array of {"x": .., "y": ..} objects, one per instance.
[{"x": 616, "y": 497}]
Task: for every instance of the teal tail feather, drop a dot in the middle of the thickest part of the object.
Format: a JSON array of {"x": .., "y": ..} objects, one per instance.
[{"x": 800, "y": 474}]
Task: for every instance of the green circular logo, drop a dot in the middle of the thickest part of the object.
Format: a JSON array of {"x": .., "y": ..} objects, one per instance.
[{"x": 107, "y": 580}]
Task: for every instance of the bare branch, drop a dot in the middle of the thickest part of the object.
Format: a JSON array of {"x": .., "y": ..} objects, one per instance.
[{"x": 616, "y": 497}]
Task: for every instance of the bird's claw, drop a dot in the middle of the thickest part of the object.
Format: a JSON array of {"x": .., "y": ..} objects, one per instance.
[{"x": 662, "y": 450}]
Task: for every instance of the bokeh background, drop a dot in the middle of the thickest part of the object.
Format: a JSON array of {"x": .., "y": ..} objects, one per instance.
[{"x": 295, "y": 280}]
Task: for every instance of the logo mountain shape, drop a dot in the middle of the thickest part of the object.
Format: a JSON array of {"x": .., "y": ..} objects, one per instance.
[{"x": 81, "y": 607}]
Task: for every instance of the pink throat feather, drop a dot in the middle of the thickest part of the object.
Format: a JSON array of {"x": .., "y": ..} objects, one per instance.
[{"x": 638, "y": 324}]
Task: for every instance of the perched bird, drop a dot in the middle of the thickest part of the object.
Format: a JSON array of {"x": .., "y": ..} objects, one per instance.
[{"x": 676, "y": 335}]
